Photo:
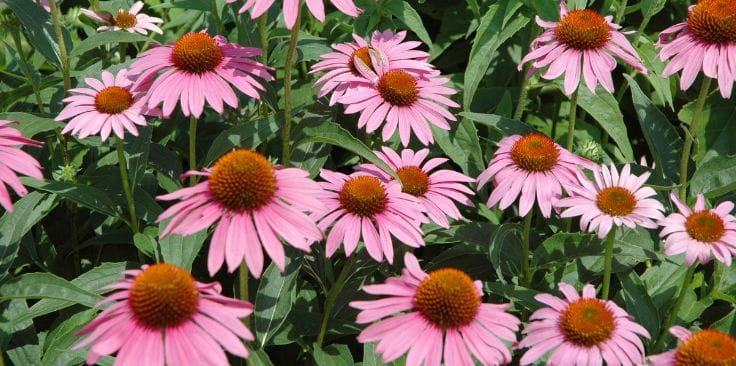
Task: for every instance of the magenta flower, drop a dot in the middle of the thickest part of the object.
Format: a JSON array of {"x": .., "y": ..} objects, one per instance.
[
  {"x": 291, "y": 8},
  {"x": 445, "y": 303},
  {"x": 195, "y": 69},
  {"x": 434, "y": 190},
  {"x": 532, "y": 166},
  {"x": 362, "y": 206},
  {"x": 704, "y": 42},
  {"x": 14, "y": 161},
  {"x": 161, "y": 316},
  {"x": 131, "y": 20},
  {"x": 581, "y": 34},
  {"x": 582, "y": 331},
  {"x": 704, "y": 347},
  {"x": 613, "y": 200},
  {"x": 700, "y": 233},
  {"x": 44, "y": 4},
  {"x": 254, "y": 204}
]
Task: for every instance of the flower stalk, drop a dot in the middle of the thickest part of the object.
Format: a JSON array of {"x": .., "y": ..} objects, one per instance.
[
  {"x": 571, "y": 122},
  {"x": 608, "y": 263},
  {"x": 288, "y": 68},
  {"x": 526, "y": 276},
  {"x": 672, "y": 315},
  {"x": 692, "y": 134}
]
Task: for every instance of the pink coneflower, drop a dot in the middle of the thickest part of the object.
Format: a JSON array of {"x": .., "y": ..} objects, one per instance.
[
  {"x": 14, "y": 161},
  {"x": 435, "y": 190},
  {"x": 291, "y": 8},
  {"x": 131, "y": 20},
  {"x": 704, "y": 347},
  {"x": 700, "y": 233},
  {"x": 109, "y": 106},
  {"x": 581, "y": 34},
  {"x": 613, "y": 200},
  {"x": 704, "y": 42},
  {"x": 161, "y": 316},
  {"x": 429, "y": 306},
  {"x": 533, "y": 166},
  {"x": 198, "y": 68},
  {"x": 44, "y": 4},
  {"x": 341, "y": 69},
  {"x": 362, "y": 206},
  {"x": 582, "y": 331},
  {"x": 254, "y": 204}
]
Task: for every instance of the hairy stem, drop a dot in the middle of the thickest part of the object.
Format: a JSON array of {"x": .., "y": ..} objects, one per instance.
[
  {"x": 672, "y": 315},
  {"x": 126, "y": 185},
  {"x": 526, "y": 276},
  {"x": 192, "y": 147},
  {"x": 63, "y": 56},
  {"x": 288, "y": 67},
  {"x": 692, "y": 134},
  {"x": 608, "y": 263},
  {"x": 263, "y": 35},
  {"x": 15, "y": 33},
  {"x": 571, "y": 121},
  {"x": 243, "y": 287}
]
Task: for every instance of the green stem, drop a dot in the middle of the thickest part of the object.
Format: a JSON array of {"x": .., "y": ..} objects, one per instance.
[
  {"x": 608, "y": 263},
  {"x": 571, "y": 121},
  {"x": 290, "y": 53},
  {"x": 620, "y": 11},
  {"x": 126, "y": 185},
  {"x": 26, "y": 67},
  {"x": 332, "y": 296},
  {"x": 524, "y": 94},
  {"x": 263, "y": 35},
  {"x": 719, "y": 270},
  {"x": 526, "y": 276},
  {"x": 62, "y": 45},
  {"x": 672, "y": 315},
  {"x": 216, "y": 17},
  {"x": 243, "y": 287},
  {"x": 691, "y": 134},
  {"x": 192, "y": 147}
]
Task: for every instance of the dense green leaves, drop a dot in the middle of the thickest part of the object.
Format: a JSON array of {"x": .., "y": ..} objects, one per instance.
[
  {"x": 715, "y": 178},
  {"x": 274, "y": 300},
  {"x": 604, "y": 108}
]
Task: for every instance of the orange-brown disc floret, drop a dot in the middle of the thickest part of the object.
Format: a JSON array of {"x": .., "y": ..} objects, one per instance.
[
  {"x": 587, "y": 322},
  {"x": 707, "y": 347},
  {"x": 535, "y": 153},
  {"x": 243, "y": 180},
  {"x": 124, "y": 19},
  {"x": 196, "y": 53},
  {"x": 713, "y": 21},
  {"x": 616, "y": 201},
  {"x": 113, "y": 100},
  {"x": 448, "y": 298},
  {"x": 363, "y": 196},
  {"x": 414, "y": 180},
  {"x": 398, "y": 88},
  {"x": 163, "y": 296},
  {"x": 583, "y": 30},
  {"x": 363, "y": 55},
  {"x": 705, "y": 226}
]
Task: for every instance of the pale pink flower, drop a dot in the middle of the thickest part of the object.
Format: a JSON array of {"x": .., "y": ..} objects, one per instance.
[
  {"x": 704, "y": 347},
  {"x": 109, "y": 106},
  {"x": 700, "y": 233},
  {"x": 128, "y": 20},
  {"x": 704, "y": 42},
  {"x": 291, "y": 8},
  {"x": 612, "y": 200},
  {"x": 532, "y": 166},
  {"x": 254, "y": 204},
  {"x": 362, "y": 206},
  {"x": 436, "y": 191},
  {"x": 44, "y": 4},
  {"x": 440, "y": 317},
  {"x": 340, "y": 66},
  {"x": 161, "y": 316},
  {"x": 14, "y": 161},
  {"x": 582, "y": 331},
  {"x": 581, "y": 34},
  {"x": 198, "y": 68}
]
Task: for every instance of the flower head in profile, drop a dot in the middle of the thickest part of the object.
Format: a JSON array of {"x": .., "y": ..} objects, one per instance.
[
  {"x": 614, "y": 199},
  {"x": 363, "y": 206},
  {"x": 581, "y": 35},
  {"x": 700, "y": 233},
  {"x": 254, "y": 204},
  {"x": 435, "y": 190},
  {"x": 108, "y": 106},
  {"x": 14, "y": 162},
  {"x": 581, "y": 331},
  {"x": 704, "y": 42},
  {"x": 533, "y": 166},
  {"x": 439, "y": 316},
  {"x": 291, "y": 8},
  {"x": 196, "y": 69},
  {"x": 128, "y": 20},
  {"x": 160, "y": 315},
  {"x": 703, "y": 347}
]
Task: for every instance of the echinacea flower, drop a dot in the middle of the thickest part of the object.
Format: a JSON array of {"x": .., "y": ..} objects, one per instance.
[
  {"x": 581, "y": 34},
  {"x": 703, "y": 347},
  {"x": 291, "y": 8},
  {"x": 44, "y": 4},
  {"x": 532, "y": 166},
  {"x": 436, "y": 191},
  {"x": 614, "y": 199},
  {"x": 198, "y": 68},
  {"x": 109, "y": 106},
  {"x": 582, "y": 331},
  {"x": 254, "y": 205},
  {"x": 362, "y": 206},
  {"x": 14, "y": 161},
  {"x": 704, "y": 42},
  {"x": 440, "y": 317},
  {"x": 340, "y": 66},
  {"x": 160, "y": 315},
  {"x": 700, "y": 233},
  {"x": 128, "y": 20}
]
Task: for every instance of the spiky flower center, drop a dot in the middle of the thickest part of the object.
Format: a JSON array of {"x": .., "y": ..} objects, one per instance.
[
  {"x": 616, "y": 201},
  {"x": 713, "y": 21},
  {"x": 535, "y": 153},
  {"x": 243, "y": 180},
  {"x": 113, "y": 100},
  {"x": 583, "y": 30},
  {"x": 705, "y": 226},
  {"x": 196, "y": 53},
  {"x": 448, "y": 298},
  {"x": 707, "y": 347},
  {"x": 163, "y": 296},
  {"x": 363, "y": 55},
  {"x": 124, "y": 19},
  {"x": 587, "y": 322},
  {"x": 363, "y": 196},
  {"x": 398, "y": 88},
  {"x": 414, "y": 180}
]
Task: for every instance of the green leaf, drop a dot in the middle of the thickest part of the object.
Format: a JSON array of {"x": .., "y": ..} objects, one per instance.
[
  {"x": 507, "y": 126},
  {"x": 180, "y": 250},
  {"x": 86, "y": 196},
  {"x": 407, "y": 15},
  {"x": 274, "y": 300},
  {"x": 605, "y": 109},
  {"x": 31, "y": 124},
  {"x": 505, "y": 251},
  {"x": 716, "y": 136},
  {"x": 333, "y": 355},
  {"x": 638, "y": 303},
  {"x": 103, "y": 38},
  {"x": 521, "y": 296},
  {"x": 258, "y": 357},
  {"x": 715, "y": 177},
  {"x": 47, "y": 286},
  {"x": 62, "y": 337},
  {"x": 248, "y": 135},
  {"x": 564, "y": 247},
  {"x": 462, "y": 146},
  {"x": 38, "y": 29}
]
